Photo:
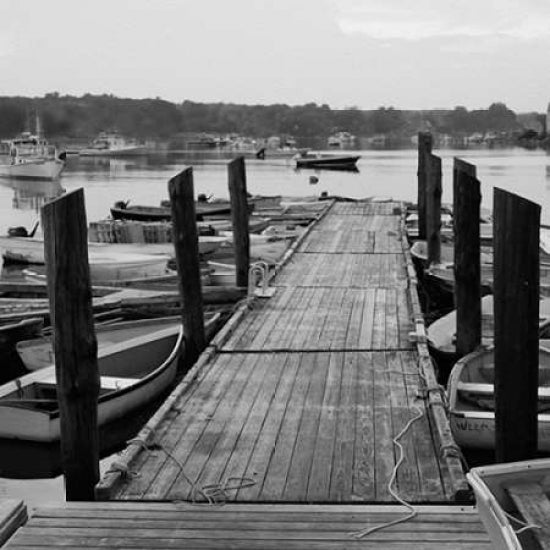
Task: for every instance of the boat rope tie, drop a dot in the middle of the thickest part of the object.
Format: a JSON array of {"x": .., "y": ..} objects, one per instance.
[
  {"x": 123, "y": 470},
  {"x": 452, "y": 450},
  {"x": 525, "y": 526},
  {"x": 412, "y": 511},
  {"x": 213, "y": 494}
]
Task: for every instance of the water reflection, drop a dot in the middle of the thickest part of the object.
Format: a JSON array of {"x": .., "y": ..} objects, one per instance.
[{"x": 33, "y": 195}]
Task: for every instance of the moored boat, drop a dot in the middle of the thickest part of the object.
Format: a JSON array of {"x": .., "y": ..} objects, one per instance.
[
  {"x": 471, "y": 400},
  {"x": 30, "y": 250},
  {"x": 442, "y": 332},
  {"x": 30, "y": 156},
  {"x": 37, "y": 352},
  {"x": 111, "y": 144},
  {"x": 513, "y": 501},
  {"x": 132, "y": 373},
  {"x": 330, "y": 162}
]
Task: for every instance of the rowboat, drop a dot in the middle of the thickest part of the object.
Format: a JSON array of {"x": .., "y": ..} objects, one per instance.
[
  {"x": 11, "y": 333},
  {"x": 471, "y": 400},
  {"x": 37, "y": 353},
  {"x": 137, "y": 212},
  {"x": 30, "y": 250},
  {"x": 442, "y": 332},
  {"x": 510, "y": 496},
  {"x": 132, "y": 373},
  {"x": 328, "y": 162}
]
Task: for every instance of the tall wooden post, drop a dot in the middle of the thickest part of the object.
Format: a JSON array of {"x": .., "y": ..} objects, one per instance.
[
  {"x": 239, "y": 218},
  {"x": 467, "y": 268},
  {"x": 516, "y": 308},
  {"x": 186, "y": 244},
  {"x": 76, "y": 369},
  {"x": 424, "y": 149},
  {"x": 433, "y": 208}
]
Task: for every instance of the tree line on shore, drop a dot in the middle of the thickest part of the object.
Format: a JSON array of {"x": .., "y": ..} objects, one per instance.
[{"x": 83, "y": 117}]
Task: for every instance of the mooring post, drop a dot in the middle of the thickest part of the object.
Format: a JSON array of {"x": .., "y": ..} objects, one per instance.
[
  {"x": 76, "y": 369},
  {"x": 424, "y": 149},
  {"x": 186, "y": 244},
  {"x": 467, "y": 268},
  {"x": 433, "y": 208},
  {"x": 239, "y": 218},
  {"x": 516, "y": 309}
]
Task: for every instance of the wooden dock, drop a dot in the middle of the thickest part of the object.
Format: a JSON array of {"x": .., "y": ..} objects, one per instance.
[
  {"x": 288, "y": 431},
  {"x": 302, "y": 396},
  {"x": 100, "y": 525}
]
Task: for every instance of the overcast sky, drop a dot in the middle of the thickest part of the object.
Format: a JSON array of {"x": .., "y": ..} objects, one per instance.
[{"x": 412, "y": 54}]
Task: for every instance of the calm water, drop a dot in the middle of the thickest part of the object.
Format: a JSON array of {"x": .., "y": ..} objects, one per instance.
[
  {"x": 144, "y": 181},
  {"x": 381, "y": 173}
]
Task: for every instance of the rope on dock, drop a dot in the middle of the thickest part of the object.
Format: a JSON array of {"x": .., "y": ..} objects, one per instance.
[
  {"x": 214, "y": 493},
  {"x": 412, "y": 511}
]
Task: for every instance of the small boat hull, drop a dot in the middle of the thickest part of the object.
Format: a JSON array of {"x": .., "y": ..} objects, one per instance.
[
  {"x": 329, "y": 162},
  {"x": 33, "y": 170},
  {"x": 26, "y": 250},
  {"x": 28, "y": 406},
  {"x": 471, "y": 401}
]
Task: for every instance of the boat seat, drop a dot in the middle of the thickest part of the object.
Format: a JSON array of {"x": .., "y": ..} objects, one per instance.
[
  {"x": 486, "y": 390},
  {"x": 117, "y": 382},
  {"x": 534, "y": 505}
]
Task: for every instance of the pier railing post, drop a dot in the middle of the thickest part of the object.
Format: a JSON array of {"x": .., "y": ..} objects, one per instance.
[
  {"x": 516, "y": 309},
  {"x": 186, "y": 244},
  {"x": 433, "y": 208},
  {"x": 76, "y": 369},
  {"x": 467, "y": 268},
  {"x": 424, "y": 149},
  {"x": 239, "y": 218}
]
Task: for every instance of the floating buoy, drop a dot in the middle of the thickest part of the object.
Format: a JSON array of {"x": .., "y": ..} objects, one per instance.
[{"x": 313, "y": 179}]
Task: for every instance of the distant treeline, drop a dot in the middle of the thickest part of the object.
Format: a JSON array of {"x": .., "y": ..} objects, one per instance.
[{"x": 83, "y": 117}]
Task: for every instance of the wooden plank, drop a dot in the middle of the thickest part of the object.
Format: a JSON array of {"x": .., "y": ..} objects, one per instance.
[
  {"x": 341, "y": 475},
  {"x": 277, "y": 472},
  {"x": 259, "y": 461},
  {"x": 384, "y": 461},
  {"x": 302, "y": 457},
  {"x": 217, "y": 432},
  {"x": 238, "y": 440},
  {"x": 364, "y": 474},
  {"x": 181, "y": 442},
  {"x": 319, "y": 478}
]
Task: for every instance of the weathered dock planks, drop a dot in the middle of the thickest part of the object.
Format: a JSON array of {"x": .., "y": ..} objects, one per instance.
[
  {"x": 238, "y": 526},
  {"x": 303, "y": 397}
]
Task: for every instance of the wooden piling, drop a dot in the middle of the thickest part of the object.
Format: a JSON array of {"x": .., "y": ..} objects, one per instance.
[
  {"x": 424, "y": 149},
  {"x": 76, "y": 369},
  {"x": 467, "y": 268},
  {"x": 433, "y": 208},
  {"x": 186, "y": 244},
  {"x": 516, "y": 309},
  {"x": 239, "y": 218}
]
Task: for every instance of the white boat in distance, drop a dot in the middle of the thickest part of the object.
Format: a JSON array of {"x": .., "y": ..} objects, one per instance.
[
  {"x": 30, "y": 156},
  {"x": 110, "y": 144},
  {"x": 132, "y": 373}
]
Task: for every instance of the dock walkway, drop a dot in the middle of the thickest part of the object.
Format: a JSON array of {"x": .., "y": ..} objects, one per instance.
[
  {"x": 293, "y": 419},
  {"x": 303, "y": 395}
]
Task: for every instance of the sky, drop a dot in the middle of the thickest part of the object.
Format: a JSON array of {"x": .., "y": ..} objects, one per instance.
[{"x": 410, "y": 54}]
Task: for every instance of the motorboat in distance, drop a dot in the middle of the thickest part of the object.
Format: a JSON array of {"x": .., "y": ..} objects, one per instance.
[{"x": 328, "y": 162}]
